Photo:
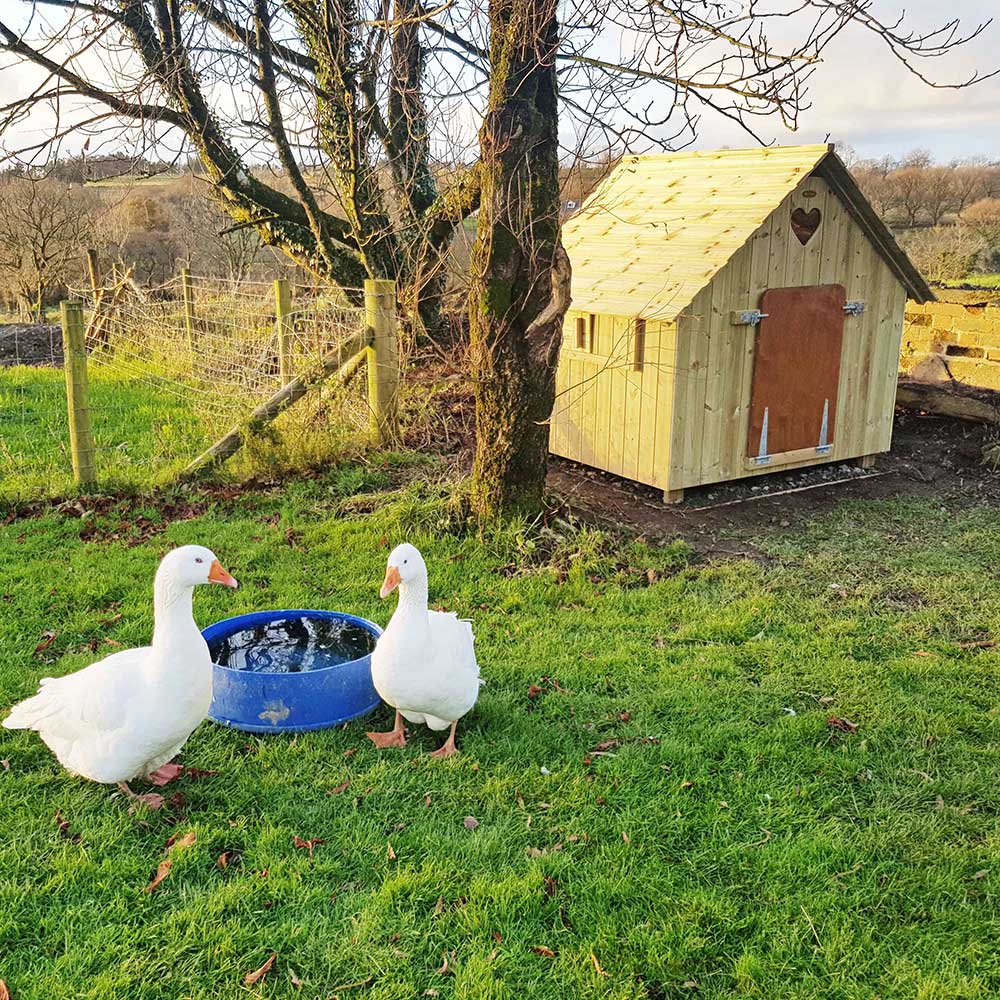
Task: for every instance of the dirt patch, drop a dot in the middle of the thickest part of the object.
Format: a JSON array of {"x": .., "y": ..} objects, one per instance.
[
  {"x": 931, "y": 456},
  {"x": 30, "y": 344}
]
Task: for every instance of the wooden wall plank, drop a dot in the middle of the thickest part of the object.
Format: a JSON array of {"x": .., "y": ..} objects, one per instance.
[
  {"x": 633, "y": 409},
  {"x": 646, "y": 471},
  {"x": 714, "y": 303}
]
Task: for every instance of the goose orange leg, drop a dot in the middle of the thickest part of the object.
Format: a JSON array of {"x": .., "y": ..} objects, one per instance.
[
  {"x": 396, "y": 737},
  {"x": 152, "y": 799},
  {"x": 449, "y": 747}
]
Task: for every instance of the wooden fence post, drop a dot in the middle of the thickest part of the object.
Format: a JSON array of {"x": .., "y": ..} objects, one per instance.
[
  {"x": 81, "y": 434},
  {"x": 383, "y": 360},
  {"x": 283, "y": 310},
  {"x": 94, "y": 271},
  {"x": 187, "y": 287}
]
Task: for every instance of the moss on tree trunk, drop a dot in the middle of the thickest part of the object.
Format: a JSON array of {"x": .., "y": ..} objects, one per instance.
[{"x": 520, "y": 274}]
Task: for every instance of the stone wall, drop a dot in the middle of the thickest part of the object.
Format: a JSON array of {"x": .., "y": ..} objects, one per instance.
[{"x": 945, "y": 341}]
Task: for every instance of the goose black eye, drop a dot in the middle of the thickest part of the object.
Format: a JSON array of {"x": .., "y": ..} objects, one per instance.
[
  {"x": 405, "y": 561},
  {"x": 198, "y": 559}
]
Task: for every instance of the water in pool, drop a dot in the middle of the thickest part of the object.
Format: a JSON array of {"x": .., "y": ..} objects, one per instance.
[{"x": 292, "y": 645}]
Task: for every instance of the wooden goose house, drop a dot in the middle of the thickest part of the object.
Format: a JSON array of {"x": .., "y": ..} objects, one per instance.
[{"x": 734, "y": 313}]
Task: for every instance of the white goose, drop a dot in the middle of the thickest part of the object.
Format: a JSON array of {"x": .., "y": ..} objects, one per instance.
[
  {"x": 424, "y": 664},
  {"x": 130, "y": 713}
]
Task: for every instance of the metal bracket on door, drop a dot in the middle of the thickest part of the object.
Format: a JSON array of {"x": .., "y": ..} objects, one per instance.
[
  {"x": 854, "y": 308},
  {"x": 762, "y": 457},
  {"x": 824, "y": 445}
]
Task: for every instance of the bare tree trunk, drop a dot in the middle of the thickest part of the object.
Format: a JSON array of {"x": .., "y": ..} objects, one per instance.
[{"x": 520, "y": 272}]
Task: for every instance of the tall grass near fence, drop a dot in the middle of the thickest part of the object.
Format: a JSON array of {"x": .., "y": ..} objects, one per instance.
[{"x": 170, "y": 370}]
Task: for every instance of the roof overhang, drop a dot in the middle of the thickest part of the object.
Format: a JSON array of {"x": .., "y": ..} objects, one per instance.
[{"x": 831, "y": 168}]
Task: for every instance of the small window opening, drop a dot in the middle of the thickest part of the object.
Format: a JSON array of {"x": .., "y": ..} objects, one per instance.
[
  {"x": 639, "y": 354},
  {"x": 581, "y": 333},
  {"x": 593, "y": 333}
]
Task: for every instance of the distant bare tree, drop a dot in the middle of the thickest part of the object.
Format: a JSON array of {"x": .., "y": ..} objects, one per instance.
[
  {"x": 944, "y": 253},
  {"x": 938, "y": 195},
  {"x": 970, "y": 182},
  {"x": 208, "y": 241},
  {"x": 45, "y": 227}
]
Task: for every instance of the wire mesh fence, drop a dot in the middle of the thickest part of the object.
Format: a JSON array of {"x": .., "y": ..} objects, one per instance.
[{"x": 170, "y": 369}]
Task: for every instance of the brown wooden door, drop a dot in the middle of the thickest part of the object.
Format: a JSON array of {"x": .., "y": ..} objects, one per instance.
[{"x": 797, "y": 369}]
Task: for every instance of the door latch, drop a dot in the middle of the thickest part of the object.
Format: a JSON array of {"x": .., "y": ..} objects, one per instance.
[
  {"x": 747, "y": 317},
  {"x": 854, "y": 308}
]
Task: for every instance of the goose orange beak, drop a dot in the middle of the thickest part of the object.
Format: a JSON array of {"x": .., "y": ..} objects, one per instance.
[
  {"x": 390, "y": 583},
  {"x": 216, "y": 574}
]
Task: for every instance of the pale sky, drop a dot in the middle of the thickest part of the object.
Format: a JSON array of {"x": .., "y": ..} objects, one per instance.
[{"x": 861, "y": 95}]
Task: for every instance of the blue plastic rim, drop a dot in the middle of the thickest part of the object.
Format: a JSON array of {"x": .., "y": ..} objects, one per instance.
[{"x": 290, "y": 703}]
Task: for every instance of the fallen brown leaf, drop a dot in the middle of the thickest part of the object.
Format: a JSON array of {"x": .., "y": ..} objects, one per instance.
[
  {"x": 626, "y": 837},
  {"x": 48, "y": 638},
  {"x": 5, "y": 764},
  {"x": 4, "y": 992},
  {"x": 390, "y": 853},
  {"x": 470, "y": 822},
  {"x": 624, "y": 716},
  {"x": 342, "y": 787},
  {"x": 308, "y": 844},
  {"x": 258, "y": 974},
  {"x": 439, "y": 906},
  {"x": 427, "y": 800},
  {"x": 534, "y": 691},
  {"x": 152, "y": 800},
  {"x": 551, "y": 885},
  {"x": 223, "y": 860},
  {"x": 162, "y": 871},
  {"x": 64, "y": 829},
  {"x": 445, "y": 965},
  {"x": 498, "y": 937},
  {"x": 597, "y": 965},
  {"x": 194, "y": 773},
  {"x": 541, "y": 949},
  {"x": 606, "y": 745},
  {"x": 351, "y": 752},
  {"x": 187, "y": 840},
  {"x": 844, "y": 725}
]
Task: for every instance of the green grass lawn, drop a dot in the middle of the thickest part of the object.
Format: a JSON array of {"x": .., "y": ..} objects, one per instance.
[
  {"x": 671, "y": 815},
  {"x": 142, "y": 436},
  {"x": 979, "y": 280},
  {"x": 147, "y": 430}
]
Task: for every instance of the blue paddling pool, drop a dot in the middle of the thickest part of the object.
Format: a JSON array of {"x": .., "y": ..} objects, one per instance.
[{"x": 291, "y": 671}]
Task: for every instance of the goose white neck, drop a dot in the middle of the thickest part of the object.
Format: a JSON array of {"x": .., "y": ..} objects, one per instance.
[
  {"x": 413, "y": 595},
  {"x": 173, "y": 610}
]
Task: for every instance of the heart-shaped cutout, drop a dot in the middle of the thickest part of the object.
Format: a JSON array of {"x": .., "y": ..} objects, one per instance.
[{"x": 804, "y": 223}]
